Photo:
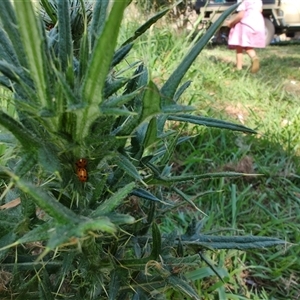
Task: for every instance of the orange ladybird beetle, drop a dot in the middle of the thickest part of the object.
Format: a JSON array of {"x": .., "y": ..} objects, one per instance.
[
  {"x": 81, "y": 163},
  {"x": 82, "y": 174},
  {"x": 81, "y": 171}
]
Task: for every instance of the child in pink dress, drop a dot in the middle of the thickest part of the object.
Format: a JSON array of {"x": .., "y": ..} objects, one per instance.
[{"x": 247, "y": 32}]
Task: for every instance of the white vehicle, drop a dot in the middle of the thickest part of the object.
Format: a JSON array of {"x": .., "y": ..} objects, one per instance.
[{"x": 281, "y": 16}]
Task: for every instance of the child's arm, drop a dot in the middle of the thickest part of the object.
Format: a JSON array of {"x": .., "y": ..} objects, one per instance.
[{"x": 237, "y": 18}]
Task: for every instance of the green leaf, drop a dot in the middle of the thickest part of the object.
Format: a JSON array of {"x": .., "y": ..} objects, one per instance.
[
  {"x": 144, "y": 194},
  {"x": 120, "y": 100},
  {"x": 83, "y": 55},
  {"x": 32, "y": 266},
  {"x": 4, "y": 241},
  {"x": 151, "y": 134},
  {"x": 66, "y": 265},
  {"x": 175, "y": 108},
  {"x": 169, "y": 243},
  {"x": 39, "y": 233},
  {"x": 232, "y": 242},
  {"x": 119, "y": 219},
  {"x": 98, "y": 20},
  {"x": 188, "y": 199},
  {"x": 167, "y": 152},
  {"x": 211, "y": 265},
  {"x": 7, "y": 138},
  {"x": 181, "y": 90},
  {"x": 27, "y": 162},
  {"x": 120, "y": 54},
  {"x": 71, "y": 99},
  {"x": 146, "y": 26},
  {"x": 65, "y": 233},
  {"x": 169, "y": 88},
  {"x": 47, "y": 157},
  {"x": 114, "y": 284},
  {"x": 65, "y": 36},
  {"x": 183, "y": 178},
  {"x": 21, "y": 133},
  {"x": 151, "y": 101},
  {"x": 201, "y": 273},
  {"x": 18, "y": 81},
  {"x": 101, "y": 223},
  {"x": 116, "y": 111},
  {"x": 33, "y": 43},
  {"x": 139, "y": 81},
  {"x": 182, "y": 286},
  {"x": 6, "y": 82},
  {"x": 111, "y": 203},
  {"x": 9, "y": 23},
  {"x": 156, "y": 237},
  {"x": 49, "y": 10},
  {"x": 59, "y": 235},
  {"x": 102, "y": 55},
  {"x": 7, "y": 52},
  {"x": 45, "y": 286},
  {"x": 189, "y": 260},
  {"x": 126, "y": 165},
  {"x": 113, "y": 86},
  {"x": 43, "y": 200},
  {"x": 10, "y": 71},
  {"x": 209, "y": 122}
]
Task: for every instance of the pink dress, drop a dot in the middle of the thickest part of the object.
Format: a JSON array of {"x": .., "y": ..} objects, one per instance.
[{"x": 250, "y": 31}]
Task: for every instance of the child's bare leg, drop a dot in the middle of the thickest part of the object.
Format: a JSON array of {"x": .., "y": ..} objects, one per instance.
[
  {"x": 254, "y": 59},
  {"x": 239, "y": 57},
  {"x": 251, "y": 52}
]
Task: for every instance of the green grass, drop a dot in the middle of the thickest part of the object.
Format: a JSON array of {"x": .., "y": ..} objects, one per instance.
[{"x": 265, "y": 204}]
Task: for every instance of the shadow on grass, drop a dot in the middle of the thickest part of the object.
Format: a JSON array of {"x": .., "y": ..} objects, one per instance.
[{"x": 261, "y": 205}]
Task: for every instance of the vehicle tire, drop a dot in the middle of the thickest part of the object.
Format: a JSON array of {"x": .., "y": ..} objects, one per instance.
[{"x": 269, "y": 31}]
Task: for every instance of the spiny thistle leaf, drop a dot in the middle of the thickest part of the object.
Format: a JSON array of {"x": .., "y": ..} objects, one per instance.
[
  {"x": 65, "y": 36},
  {"x": 182, "y": 286},
  {"x": 111, "y": 203},
  {"x": 209, "y": 122},
  {"x": 146, "y": 26},
  {"x": 232, "y": 242},
  {"x": 33, "y": 42},
  {"x": 51, "y": 206},
  {"x": 169, "y": 88},
  {"x": 93, "y": 86}
]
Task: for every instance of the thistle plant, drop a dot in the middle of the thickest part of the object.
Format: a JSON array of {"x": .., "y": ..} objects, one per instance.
[{"x": 90, "y": 157}]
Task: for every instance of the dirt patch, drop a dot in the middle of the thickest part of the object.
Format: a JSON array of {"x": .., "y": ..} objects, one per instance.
[
  {"x": 292, "y": 87},
  {"x": 237, "y": 111},
  {"x": 5, "y": 279},
  {"x": 245, "y": 166}
]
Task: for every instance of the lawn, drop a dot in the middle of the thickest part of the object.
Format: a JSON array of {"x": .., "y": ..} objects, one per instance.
[{"x": 262, "y": 204}]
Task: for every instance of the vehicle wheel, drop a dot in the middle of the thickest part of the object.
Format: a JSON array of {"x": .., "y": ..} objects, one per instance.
[{"x": 269, "y": 31}]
